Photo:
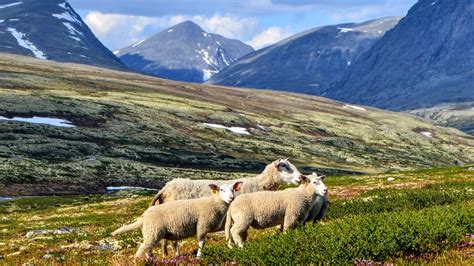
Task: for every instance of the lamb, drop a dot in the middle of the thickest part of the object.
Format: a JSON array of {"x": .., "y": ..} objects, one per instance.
[
  {"x": 275, "y": 174},
  {"x": 195, "y": 217},
  {"x": 288, "y": 208},
  {"x": 321, "y": 205}
]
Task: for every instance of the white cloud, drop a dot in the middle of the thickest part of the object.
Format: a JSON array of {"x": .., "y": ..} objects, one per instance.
[
  {"x": 269, "y": 36},
  {"x": 228, "y": 26},
  {"x": 117, "y": 31}
]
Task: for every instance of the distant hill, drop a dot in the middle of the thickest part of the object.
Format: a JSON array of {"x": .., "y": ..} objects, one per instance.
[
  {"x": 51, "y": 29},
  {"x": 426, "y": 60},
  {"x": 306, "y": 62},
  {"x": 184, "y": 52},
  {"x": 130, "y": 129}
]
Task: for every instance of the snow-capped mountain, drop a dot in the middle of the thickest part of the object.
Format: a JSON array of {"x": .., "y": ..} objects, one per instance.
[
  {"x": 184, "y": 52},
  {"x": 51, "y": 29},
  {"x": 426, "y": 60},
  {"x": 306, "y": 62}
]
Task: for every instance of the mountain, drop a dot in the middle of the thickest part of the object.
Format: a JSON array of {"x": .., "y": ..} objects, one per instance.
[
  {"x": 184, "y": 52},
  {"x": 122, "y": 128},
  {"x": 51, "y": 29},
  {"x": 426, "y": 60},
  {"x": 306, "y": 62}
]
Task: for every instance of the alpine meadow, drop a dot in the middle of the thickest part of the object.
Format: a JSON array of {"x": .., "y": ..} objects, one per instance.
[{"x": 346, "y": 138}]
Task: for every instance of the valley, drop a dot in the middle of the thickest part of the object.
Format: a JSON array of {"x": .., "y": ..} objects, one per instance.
[{"x": 138, "y": 130}]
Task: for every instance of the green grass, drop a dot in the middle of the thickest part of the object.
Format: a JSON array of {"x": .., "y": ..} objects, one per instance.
[
  {"x": 398, "y": 221},
  {"x": 379, "y": 237}
]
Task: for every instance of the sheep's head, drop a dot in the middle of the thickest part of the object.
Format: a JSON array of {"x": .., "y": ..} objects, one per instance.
[
  {"x": 226, "y": 193},
  {"x": 316, "y": 182},
  {"x": 288, "y": 173}
]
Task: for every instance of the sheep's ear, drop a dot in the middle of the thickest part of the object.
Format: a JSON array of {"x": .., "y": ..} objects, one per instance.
[
  {"x": 214, "y": 187},
  {"x": 322, "y": 177},
  {"x": 304, "y": 179},
  {"x": 238, "y": 186},
  {"x": 276, "y": 163}
]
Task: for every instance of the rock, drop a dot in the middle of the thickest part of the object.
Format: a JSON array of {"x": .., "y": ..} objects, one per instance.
[
  {"x": 390, "y": 179},
  {"x": 47, "y": 256},
  {"x": 60, "y": 231},
  {"x": 101, "y": 245}
]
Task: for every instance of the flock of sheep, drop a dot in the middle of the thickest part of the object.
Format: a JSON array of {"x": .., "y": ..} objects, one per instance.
[{"x": 184, "y": 208}]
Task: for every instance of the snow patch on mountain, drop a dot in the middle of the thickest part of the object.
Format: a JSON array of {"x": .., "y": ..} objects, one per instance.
[
  {"x": 12, "y": 4},
  {"x": 71, "y": 29},
  {"x": 138, "y": 43},
  {"x": 67, "y": 16},
  {"x": 237, "y": 130},
  {"x": 345, "y": 30},
  {"x": 207, "y": 74},
  {"x": 355, "y": 107},
  {"x": 23, "y": 42}
]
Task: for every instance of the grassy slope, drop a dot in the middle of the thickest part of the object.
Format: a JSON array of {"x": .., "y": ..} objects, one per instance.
[
  {"x": 95, "y": 217},
  {"x": 144, "y": 130}
]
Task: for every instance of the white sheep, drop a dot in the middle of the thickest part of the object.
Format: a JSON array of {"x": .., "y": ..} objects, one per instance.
[
  {"x": 182, "y": 219},
  {"x": 273, "y": 176},
  {"x": 321, "y": 204},
  {"x": 288, "y": 208}
]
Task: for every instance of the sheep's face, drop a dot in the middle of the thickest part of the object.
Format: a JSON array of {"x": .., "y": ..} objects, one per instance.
[
  {"x": 318, "y": 184},
  {"x": 226, "y": 192},
  {"x": 289, "y": 174}
]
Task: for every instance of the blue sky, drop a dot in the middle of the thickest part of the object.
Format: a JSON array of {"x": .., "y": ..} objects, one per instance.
[{"x": 118, "y": 23}]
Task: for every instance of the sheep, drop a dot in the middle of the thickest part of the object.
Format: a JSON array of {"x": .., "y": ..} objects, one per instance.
[
  {"x": 182, "y": 219},
  {"x": 288, "y": 208},
  {"x": 275, "y": 174},
  {"x": 321, "y": 205}
]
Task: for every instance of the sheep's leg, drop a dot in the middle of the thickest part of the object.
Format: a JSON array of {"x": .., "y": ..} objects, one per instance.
[
  {"x": 150, "y": 239},
  {"x": 201, "y": 237},
  {"x": 239, "y": 233},
  {"x": 289, "y": 223},
  {"x": 231, "y": 242},
  {"x": 200, "y": 247},
  {"x": 164, "y": 249},
  {"x": 145, "y": 250},
  {"x": 176, "y": 248}
]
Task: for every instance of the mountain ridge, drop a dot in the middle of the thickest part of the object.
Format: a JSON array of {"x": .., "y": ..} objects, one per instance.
[
  {"x": 306, "y": 62},
  {"x": 183, "y": 52},
  {"x": 51, "y": 29}
]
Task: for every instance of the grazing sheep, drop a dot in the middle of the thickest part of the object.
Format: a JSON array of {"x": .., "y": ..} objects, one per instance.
[
  {"x": 288, "y": 208},
  {"x": 182, "y": 219},
  {"x": 321, "y": 204},
  {"x": 275, "y": 174}
]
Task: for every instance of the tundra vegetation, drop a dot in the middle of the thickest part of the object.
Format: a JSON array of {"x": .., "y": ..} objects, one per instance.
[
  {"x": 138, "y": 130},
  {"x": 419, "y": 217}
]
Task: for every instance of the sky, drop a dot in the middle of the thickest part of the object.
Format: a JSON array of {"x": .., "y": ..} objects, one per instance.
[{"x": 259, "y": 23}]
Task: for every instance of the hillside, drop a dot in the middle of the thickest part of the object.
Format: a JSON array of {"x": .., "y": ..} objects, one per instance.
[
  {"x": 184, "y": 52},
  {"x": 426, "y": 60},
  {"x": 51, "y": 29},
  {"x": 307, "y": 62},
  {"x": 126, "y": 128},
  {"x": 419, "y": 218}
]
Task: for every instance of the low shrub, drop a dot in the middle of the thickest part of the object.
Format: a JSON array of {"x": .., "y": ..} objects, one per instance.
[
  {"x": 388, "y": 200},
  {"x": 376, "y": 237}
]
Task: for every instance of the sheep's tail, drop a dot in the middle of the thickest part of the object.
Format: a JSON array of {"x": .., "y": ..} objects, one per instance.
[
  {"x": 129, "y": 227},
  {"x": 158, "y": 197},
  {"x": 228, "y": 225}
]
